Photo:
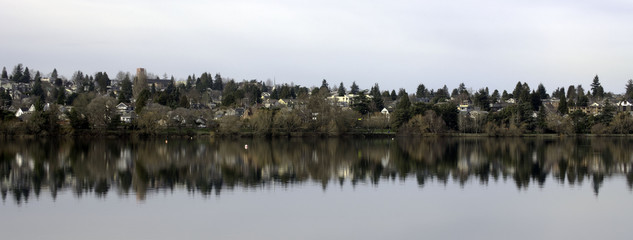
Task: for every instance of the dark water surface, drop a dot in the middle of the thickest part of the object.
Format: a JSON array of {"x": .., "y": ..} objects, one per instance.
[{"x": 433, "y": 188}]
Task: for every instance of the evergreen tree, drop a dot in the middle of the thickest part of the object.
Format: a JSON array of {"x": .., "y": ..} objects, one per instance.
[
  {"x": 580, "y": 91},
  {"x": 37, "y": 76},
  {"x": 230, "y": 94},
  {"x": 442, "y": 93},
  {"x": 517, "y": 91},
  {"x": 61, "y": 95},
  {"x": 341, "y": 90},
  {"x": 505, "y": 95},
  {"x": 17, "y": 73},
  {"x": 54, "y": 75},
  {"x": 572, "y": 97},
  {"x": 91, "y": 84},
  {"x": 535, "y": 100},
  {"x": 4, "y": 73},
  {"x": 402, "y": 113},
  {"x": 542, "y": 93},
  {"x": 461, "y": 89},
  {"x": 376, "y": 100},
  {"x": 360, "y": 103},
  {"x": 455, "y": 93},
  {"x": 583, "y": 99},
  {"x": 189, "y": 83},
  {"x": 218, "y": 83},
  {"x": 482, "y": 100},
  {"x": 394, "y": 96},
  {"x": 354, "y": 88},
  {"x": 204, "y": 82},
  {"x": 126, "y": 92},
  {"x": 562, "y": 106},
  {"x": 421, "y": 92},
  {"x": 629, "y": 89},
  {"x": 5, "y": 97},
  {"x": 183, "y": 102},
  {"x": 494, "y": 98},
  {"x": 27, "y": 76},
  {"x": 38, "y": 90},
  {"x": 608, "y": 112},
  {"x": 103, "y": 81},
  {"x": 596, "y": 88},
  {"x": 324, "y": 86}
]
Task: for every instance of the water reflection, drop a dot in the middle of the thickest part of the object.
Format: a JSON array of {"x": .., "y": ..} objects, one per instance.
[{"x": 212, "y": 166}]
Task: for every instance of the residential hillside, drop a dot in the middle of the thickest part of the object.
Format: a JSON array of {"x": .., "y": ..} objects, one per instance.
[{"x": 143, "y": 103}]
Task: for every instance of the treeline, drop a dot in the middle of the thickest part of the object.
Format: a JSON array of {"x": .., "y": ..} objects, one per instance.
[{"x": 205, "y": 102}]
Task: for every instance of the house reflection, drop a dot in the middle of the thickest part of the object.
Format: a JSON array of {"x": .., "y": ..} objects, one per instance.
[{"x": 209, "y": 167}]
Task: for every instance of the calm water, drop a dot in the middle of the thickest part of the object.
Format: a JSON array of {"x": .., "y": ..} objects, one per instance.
[{"x": 444, "y": 188}]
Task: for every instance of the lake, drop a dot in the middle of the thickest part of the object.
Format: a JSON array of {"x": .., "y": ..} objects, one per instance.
[{"x": 433, "y": 188}]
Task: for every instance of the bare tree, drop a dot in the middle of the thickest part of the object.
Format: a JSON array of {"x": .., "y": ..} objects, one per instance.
[
  {"x": 101, "y": 111},
  {"x": 140, "y": 82}
]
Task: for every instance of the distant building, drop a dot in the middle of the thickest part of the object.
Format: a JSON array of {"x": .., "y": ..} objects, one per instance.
[
  {"x": 161, "y": 84},
  {"x": 593, "y": 109},
  {"x": 22, "y": 111},
  {"x": 624, "y": 106}
]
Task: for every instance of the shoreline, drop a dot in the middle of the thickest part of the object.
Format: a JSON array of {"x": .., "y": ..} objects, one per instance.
[{"x": 198, "y": 134}]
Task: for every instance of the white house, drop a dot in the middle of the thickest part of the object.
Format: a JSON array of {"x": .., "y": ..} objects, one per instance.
[
  {"x": 122, "y": 108},
  {"x": 22, "y": 111},
  {"x": 624, "y": 106},
  {"x": 385, "y": 112},
  {"x": 345, "y": 100},
  {"x": 128, "y": 117}
]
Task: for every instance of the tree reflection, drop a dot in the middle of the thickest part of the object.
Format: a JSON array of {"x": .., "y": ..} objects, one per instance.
[{"x": 208, "y": 167}]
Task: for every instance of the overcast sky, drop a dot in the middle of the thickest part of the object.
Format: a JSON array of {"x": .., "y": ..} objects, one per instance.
[{"x": 397, "y": 43}]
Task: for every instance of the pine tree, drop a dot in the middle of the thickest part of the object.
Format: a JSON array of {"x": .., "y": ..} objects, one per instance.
[
  {"x": 562, "y": 106},
  {"x": 61, "y": 95},
  {"x": 27, "y": 75},
  {"x": 17, "y": 73},
  {"x": 354, "y": 88},
  {"x": 402, "y": 114},
  {"x": 461, "y": 89},
  {"x": 505, "y": 95},
  {"x": 421, "y": 91},
  {"x": 542, "y": 93},
  {"x": 482, "y": 100},
  {"x": 572, "y": 97},
  {"x": 38, "y": 90},
  {"x": 103, "y": 81},
  {"x": 325, "y": 86},
  {"x": 341, "y": 90},
  {"x": 360, "y": 103},
  {"x": 4, "y": 73},
  {"x": 494, "y": 98},
  {"x": 37, "y": 76},
  {"x": 517, "y": 91},
  {"x": 377, "y": 102},
  {"x": 596, "y": 88},
  {"x": 218, "y": 84},
  {"x": 629, "y": 89},
  {"x": 54, "y": 75}
]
